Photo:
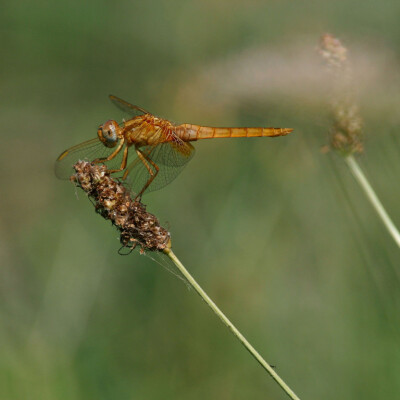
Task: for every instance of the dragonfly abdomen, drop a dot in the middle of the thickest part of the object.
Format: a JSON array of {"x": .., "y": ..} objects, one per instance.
[{"x": 189, "y": 132}]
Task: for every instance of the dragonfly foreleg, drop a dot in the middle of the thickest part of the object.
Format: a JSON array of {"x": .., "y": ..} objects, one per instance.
[
  {"x": 123, "y": 163},
  {"x": 146, "y": 161},
  {"x": 112, "y": 155}
]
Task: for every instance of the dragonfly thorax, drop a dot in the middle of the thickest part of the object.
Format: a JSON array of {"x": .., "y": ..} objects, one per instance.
[
  {"x": 146, "y": 130},
  {"x": 108, "y": 133}
]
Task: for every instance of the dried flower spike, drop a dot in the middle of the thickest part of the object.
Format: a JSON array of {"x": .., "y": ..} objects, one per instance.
[
  {"x": 113, "y": 202},
  {"x": 332, "y": 50},
  {"x": 346, "y": 132},
  {"x": 138, "y": 227}
]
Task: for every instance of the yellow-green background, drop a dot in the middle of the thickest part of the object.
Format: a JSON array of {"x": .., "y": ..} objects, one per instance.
[{"x": 277, "y": 233}]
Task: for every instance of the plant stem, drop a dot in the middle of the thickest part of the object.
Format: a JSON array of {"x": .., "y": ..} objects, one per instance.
[
  {"x": 229, "y": 324},
  {"x": 373, "y": 198}
]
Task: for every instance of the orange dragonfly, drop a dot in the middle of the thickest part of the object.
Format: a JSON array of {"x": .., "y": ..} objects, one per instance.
[{"x": 161, "y": 149}]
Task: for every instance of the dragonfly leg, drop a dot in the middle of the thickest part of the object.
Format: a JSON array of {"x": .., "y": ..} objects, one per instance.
[
  {"x": 112, "y": 155},
  {"x": 123, "y": 163},
  {"x": 133, "y": 165},
  {"x": 129, "y": 169},
  {"x": 146, "y": 161}
]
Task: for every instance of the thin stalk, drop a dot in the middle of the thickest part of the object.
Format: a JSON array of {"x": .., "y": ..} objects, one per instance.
[
  {"x": 229, "y": 324},
  {"x": 373, "y": 198}
]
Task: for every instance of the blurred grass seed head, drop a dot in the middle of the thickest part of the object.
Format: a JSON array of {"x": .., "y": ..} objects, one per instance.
[{"x": 346, "y": 132}]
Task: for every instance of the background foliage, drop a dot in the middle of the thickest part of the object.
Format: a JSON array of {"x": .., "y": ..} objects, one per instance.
[{"x": 278, "y": 234}]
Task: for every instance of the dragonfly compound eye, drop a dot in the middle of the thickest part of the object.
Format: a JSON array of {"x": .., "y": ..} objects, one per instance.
[{"x": 108, "y": 133}]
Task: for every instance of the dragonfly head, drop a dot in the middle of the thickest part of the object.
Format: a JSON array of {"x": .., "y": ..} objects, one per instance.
[{"x": 107, "y": 133}]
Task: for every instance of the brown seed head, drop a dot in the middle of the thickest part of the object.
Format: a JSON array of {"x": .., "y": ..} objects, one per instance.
[
  {"x": 332, "y": 50},
  {"x": 113, "y": 202},
  {"x": 346, "y": 132}
]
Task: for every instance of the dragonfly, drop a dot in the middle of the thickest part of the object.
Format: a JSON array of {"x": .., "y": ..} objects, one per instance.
[{"x": 147, "y": 152}]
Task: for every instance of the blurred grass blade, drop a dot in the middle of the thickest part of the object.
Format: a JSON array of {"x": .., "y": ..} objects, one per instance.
[{"x": 373, "y": 198}]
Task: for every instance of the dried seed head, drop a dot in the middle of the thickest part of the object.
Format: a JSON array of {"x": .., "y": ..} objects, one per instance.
[
  {"x": 334, "y": 53},
  {"x": 112, "y": 201},
  {"x": 346, "y": 132}
]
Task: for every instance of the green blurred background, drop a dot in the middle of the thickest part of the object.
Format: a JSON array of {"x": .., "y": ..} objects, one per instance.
[{"x": 277, "y": 233}]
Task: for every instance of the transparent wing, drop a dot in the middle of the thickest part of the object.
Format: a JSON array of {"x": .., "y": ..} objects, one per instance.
[
  {"x": 127, "y": 107},
  {"x": 170, "y": 157},
  {"x": 89, "y": 150}
]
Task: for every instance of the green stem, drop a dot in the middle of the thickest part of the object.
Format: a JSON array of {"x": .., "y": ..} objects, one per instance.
[
  {"x": 229, "y": 324},
  {"x": 373, "y": 198}
]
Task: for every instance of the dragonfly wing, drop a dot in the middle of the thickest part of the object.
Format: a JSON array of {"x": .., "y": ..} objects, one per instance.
[
  {"x": 176, "y": 153},
  {"x": 170, "y": 157},
  {"x": 89, "y": 150},
  {"x": 127, "y": 107}
]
